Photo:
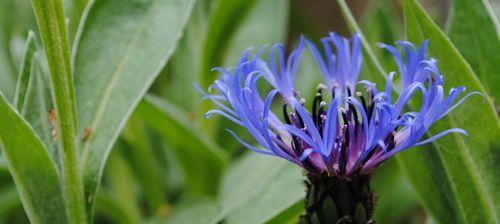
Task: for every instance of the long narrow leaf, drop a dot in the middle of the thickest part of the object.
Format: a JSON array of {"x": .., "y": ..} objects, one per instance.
[
  {"x": 476, "y": 34},
  {"x": 468, "y": 166},
  {"x": 121, "y": 48}
]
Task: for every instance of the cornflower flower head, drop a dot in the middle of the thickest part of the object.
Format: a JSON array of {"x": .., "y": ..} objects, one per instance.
[{"x": 351, "y": 126}]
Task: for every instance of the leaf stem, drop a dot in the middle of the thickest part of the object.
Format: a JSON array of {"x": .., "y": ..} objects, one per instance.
[{"x": 50, "y": 18}]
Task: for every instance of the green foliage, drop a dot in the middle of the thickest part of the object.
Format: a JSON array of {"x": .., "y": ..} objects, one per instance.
[
  {"x": 124, "y": 93},
  {"x": 121, "y": 47},
  {"x": 33, "y": 171},
  {"x": 469, "y": 165},
  {"x": 475, "y": 31},
  {"x": 202, "y": 160}
]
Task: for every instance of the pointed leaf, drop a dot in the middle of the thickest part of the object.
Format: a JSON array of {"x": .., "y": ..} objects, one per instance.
[
  {"x": 121, "y": 47},
  {"x": 25, "y": 72}
]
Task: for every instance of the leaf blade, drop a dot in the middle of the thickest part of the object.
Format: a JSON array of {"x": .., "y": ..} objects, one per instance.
[
  {"x": 469, "y": 165},
  {"x": 133, "y": 46},
  {"x": 33, "y": 171},
  {"x": 475, "y": 32},
  {"x": 25, "y": 72}
]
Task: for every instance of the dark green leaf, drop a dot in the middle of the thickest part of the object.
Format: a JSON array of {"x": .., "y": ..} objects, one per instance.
[
  {"x": 475, "y": 31},
  {"x": 9, "y": 201},
  {"x": 464, "y": 169},
  {"x": 122, "y": 46}
]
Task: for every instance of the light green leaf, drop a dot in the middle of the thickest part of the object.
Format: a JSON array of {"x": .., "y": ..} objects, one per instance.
[
  {"x": 258, "y": 184},
  {"x": 475, "y": 31},
  {"x": 32, "y": 169},
  {"x": 25, "y": 71},
  {"x": 37, "y": 106},
  {"x": 202, "y": 160},
  {"x": 52, "y": 26},
  {"x": 194, "y": 211},
  {"x": 121, "y": 47},
  {"x": 464, "y": 168}
]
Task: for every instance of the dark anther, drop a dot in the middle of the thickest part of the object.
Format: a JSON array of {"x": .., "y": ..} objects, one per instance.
[
  {"x": 353, "y": 111},
  {"x": 390, "y": 141},
  {"x": 371, "y": 105},
  {"x": 344, "y": 116},
  {"x": 343, "y": 158},
  {"x": 363, "y": 102},
  {"x": 349, "y": 93},
  {"x": 301, "y": 122},
  {"x": 317, "y": 100}
]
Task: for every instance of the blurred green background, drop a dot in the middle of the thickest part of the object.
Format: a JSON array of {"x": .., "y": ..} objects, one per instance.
[{"x": 169, "y": 163}]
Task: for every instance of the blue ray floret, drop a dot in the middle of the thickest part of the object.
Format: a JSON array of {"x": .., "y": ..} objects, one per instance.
[{"x": 352, "y": 126}]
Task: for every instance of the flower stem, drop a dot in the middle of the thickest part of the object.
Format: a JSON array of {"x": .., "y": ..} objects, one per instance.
[{"x": 331, "y": 199}]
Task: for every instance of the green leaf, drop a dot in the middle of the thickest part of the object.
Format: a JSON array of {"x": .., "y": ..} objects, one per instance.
[
  {"x": 32, "y": 169},
  {"x": 258, "y": 184},
  {"x": 37, "y": 105},
  {"x": 52, "y": 26},
  {"x": 475, "y": 31},
  {"x": 184, "y": 66},
  {"x": 120, "y": 48},
  {"x": 144, "y": 162},
  {"x": 194, "y": 211},
  {"x": 202, "y": 160},
  {"x": 9, "y": 201},
  {"x": 25, "y": 72},
  {"x": 226, "y": 17},
  {"x": 119, "y": 174},
  {"x": 291, "y": 215},
  {"x": 465, "y": 169}
]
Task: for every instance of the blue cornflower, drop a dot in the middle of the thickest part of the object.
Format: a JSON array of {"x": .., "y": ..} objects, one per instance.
[{"x": 352, "y": 126}]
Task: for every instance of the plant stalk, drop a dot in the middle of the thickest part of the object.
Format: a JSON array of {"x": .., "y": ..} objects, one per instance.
[{"x": 52, "y": 26}]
